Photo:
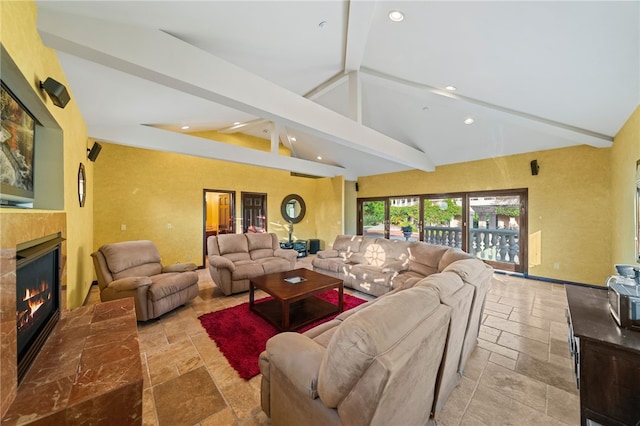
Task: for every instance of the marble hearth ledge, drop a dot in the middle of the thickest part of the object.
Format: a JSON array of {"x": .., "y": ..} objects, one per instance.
[{"x": 88, "y": 372}]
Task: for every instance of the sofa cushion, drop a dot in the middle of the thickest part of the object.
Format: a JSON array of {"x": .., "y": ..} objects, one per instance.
[
  {"x": 273, "y": 264},
  {"x": 452, "y": 255},
  {"x": 371, "y": 274},
  {"x": 247, "y": 270},
  {"x": 129, "y": 254},
  {"x": 362, "y": 337},
  {"x": 238, "y": 257},
  {"x": 143, "y": 270},
  {"x": 233, "y": 243},
  {"x": 425, "y": 257},
  {"x": 261, "y": 253},
  {"x": 445, "y": 283},
  {"x": 347, "y": 243},
  {"x": 260, "y": 241},
  {"x": 332, "y": 264},
  {"x": 325, "y": 254},
  {"x": 373, "y": 250},
  {"x": 467, "y": 269},
  {"x": 169, "y": 283}
]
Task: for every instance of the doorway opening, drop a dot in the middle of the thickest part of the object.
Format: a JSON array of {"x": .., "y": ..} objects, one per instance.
[{"x": 219, "y": 215}]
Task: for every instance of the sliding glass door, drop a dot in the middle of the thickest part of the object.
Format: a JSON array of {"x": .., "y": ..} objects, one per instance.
[
  {"x": 497, "y": 228},
  {"x": 490, "y": 225},
  {"x": 373, "y": 218},
  {"x": 443, "y": 221}
]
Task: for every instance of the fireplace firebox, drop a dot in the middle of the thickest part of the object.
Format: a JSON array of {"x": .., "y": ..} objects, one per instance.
[{"x": 37, "y": 296}]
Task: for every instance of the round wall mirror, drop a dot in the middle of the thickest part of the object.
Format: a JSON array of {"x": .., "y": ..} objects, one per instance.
[{"x": 293, "y": 208}]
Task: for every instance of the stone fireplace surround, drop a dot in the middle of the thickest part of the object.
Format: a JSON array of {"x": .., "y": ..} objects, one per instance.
[
  {"x": 17, "y": 228},
  {"x": 89, "y": 369}
]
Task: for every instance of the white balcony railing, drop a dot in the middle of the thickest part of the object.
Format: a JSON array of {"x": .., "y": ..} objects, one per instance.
[{"x": 499, "y": 245}]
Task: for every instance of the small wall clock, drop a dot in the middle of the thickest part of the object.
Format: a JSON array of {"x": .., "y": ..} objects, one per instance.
[{"x": 82, "y": 185}]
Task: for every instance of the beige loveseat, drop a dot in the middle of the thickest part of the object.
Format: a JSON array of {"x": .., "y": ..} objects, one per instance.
[
  {"x": 352, "y": 370},
  {"x": 236, "y": 258},
  {"x": 134, "y": 269}
]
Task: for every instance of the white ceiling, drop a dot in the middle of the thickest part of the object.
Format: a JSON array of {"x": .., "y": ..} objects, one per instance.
[{"x": 533, "y": 76}]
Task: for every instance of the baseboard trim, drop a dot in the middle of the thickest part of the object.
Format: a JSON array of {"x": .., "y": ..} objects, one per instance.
[{"x": 545, "y": 279}]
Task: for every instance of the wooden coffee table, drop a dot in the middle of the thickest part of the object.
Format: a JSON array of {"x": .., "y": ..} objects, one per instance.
[{"x": 294, "y": 305}]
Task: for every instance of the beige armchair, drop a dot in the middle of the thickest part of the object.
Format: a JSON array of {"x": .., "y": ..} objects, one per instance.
[{"x": 134, "y": 269}]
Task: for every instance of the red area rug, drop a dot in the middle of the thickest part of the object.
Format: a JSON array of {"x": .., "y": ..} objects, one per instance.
[{"x": 242, "y": 335}]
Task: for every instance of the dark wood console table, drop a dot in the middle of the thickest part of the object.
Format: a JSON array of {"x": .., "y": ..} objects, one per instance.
[{"x": 606, "y": 357}]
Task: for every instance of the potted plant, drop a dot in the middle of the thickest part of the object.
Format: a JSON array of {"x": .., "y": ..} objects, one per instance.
[{"x": 407, "y": 230}]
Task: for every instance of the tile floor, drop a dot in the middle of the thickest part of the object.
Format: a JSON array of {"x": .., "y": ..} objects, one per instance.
[{"x": 520, "y": 373}]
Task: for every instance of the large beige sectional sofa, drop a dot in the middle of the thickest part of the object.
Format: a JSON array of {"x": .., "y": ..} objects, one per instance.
[
  {"x": 236, "y": 258},
  {"x": 393, "y": 360},
  {"x": 377, "y": 266}
]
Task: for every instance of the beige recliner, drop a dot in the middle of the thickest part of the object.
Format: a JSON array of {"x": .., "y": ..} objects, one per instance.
[{"x": 134, "y": 269}]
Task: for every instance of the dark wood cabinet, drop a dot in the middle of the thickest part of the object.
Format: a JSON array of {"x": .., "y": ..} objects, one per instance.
[{"x": 606, "y": 359}]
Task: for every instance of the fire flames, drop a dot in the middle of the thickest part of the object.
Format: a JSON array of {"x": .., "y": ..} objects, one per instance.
[{"x": 34, "y": 298}]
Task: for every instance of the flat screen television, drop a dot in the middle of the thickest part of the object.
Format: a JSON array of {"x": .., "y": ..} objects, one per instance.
[{"x": 17, "y": 151}]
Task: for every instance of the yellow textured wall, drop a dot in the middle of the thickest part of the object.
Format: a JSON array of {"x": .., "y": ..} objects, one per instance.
[
  {"x": 568, "y": 201},
  {"x": 625, "y": 153},
  {"x": 18, "y": 34},
  {"x": 147, "y": 190},
  {"x": 330, "y": 212}
]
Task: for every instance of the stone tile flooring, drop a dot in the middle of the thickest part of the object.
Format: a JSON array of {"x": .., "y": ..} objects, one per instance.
[{"x": 520, "y": 373}]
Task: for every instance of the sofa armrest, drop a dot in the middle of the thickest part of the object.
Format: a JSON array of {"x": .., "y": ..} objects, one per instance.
[
  {"x": 288, "y": 254},
  {"x": 396, "y": 266},
  {"x": 180, "y": 267},
  {"x": 298, "y": 357},
  {"x": 221, "y": 263},
  {"x": 326, "y": 254},
  {"x": 129, "y": 283}
]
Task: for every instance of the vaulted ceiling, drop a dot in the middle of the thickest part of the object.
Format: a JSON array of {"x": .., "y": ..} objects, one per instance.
[{"x": 341, "y": 81}]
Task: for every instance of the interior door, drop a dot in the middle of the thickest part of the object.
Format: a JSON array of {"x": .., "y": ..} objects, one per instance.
[{"x": 254, "y": 212}]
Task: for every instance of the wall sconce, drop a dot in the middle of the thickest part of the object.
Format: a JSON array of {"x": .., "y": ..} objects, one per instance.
[
  {"x": 534, "y": 167},
  {"x": 94, "y": 151},
  {"x": 56, "y": 91}
]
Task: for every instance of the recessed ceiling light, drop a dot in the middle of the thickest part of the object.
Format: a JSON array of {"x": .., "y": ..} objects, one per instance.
[
  {"x": 184, "y": 127},
  {"x": 235, "y": 123},
  {"x": 322, "y": 24},
  {"x": 425, "y": 108},
  {"x": 469, "y": 121},
  {"x": 451, "y": 88},
  {"x": 293, "y": 138},
  {"x": 319, "y": 158},
  {"x": 396, "y": 16}
]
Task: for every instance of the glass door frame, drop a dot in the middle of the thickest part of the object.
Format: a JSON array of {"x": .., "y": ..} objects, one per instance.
[
  {"x": 360, "y": 223},
  {"x": 521, "y": 267}
]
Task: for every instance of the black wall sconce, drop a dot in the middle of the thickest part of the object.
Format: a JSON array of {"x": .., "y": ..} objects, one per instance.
[
  {"x": 94, "y": 151},
  {"x": 534, "y": 167},
  {"x": 56, "y": 91}
]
